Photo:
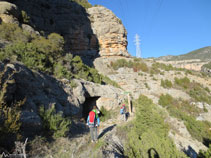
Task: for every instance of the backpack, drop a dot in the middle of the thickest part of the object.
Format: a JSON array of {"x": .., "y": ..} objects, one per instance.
[
  {"x": 92, "y": 118},
  {"x": 122, "y": 110}
]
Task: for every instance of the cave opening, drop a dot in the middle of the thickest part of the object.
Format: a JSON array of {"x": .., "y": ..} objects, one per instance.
[{"x": 88, "y": 105}]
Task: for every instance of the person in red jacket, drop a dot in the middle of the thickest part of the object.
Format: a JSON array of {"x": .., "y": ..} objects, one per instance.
[{"x": 93, "y": 122}]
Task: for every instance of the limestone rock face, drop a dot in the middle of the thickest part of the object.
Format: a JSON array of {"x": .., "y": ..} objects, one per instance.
[
  {"x": 42, "y": 90},
  {"x": 106, "y": 96},
  {"x": 9, "y": 12},
  {"x": 66, "y": 18},
  {"x": 110, "y": 32}
]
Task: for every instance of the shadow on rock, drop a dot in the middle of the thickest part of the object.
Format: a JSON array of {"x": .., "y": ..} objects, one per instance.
[
  {"x": 66, "y": 18},
  {"x": 106, "y": 130},
  {"x": 77, "y": 129}
]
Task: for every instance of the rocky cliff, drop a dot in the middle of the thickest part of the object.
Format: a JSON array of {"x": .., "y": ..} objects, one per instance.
[
  {"x": 42, "y": 90},
  {"x": 110, "y": 32},
  {"x": 93, "y": 32}
]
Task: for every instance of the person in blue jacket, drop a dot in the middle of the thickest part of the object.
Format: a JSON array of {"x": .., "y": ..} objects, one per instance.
[{"x": 93, "y": 121}]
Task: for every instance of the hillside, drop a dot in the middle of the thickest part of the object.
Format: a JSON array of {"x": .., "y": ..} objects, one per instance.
[
  {"x": 48, "y": 89},
  {"x": 204, "y": 54}
]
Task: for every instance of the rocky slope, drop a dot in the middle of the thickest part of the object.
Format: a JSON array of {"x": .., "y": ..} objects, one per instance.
[{"x": 148, "y": 84}]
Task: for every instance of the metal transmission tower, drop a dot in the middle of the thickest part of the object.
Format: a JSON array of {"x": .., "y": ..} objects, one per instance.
[{"x": 137, "y": 43}]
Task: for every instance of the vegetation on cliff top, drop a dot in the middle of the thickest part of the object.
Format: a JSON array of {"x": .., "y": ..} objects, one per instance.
[{"x": 83, "y": 3}]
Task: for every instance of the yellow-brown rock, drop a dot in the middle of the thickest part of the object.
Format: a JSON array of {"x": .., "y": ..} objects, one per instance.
[
  {"x": 9, "y": 12},
  {"x": 110, "y": 32}
]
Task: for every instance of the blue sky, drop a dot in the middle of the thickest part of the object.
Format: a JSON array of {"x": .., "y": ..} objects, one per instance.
[{"x": 165, "y": 27}]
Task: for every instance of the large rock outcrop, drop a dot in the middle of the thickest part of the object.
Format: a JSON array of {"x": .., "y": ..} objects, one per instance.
[
  {"x": 65, "y": 17},
  {"x": 42, "y": 90},
  {"x": 88, "y": 33},
  {"x": 111, "y": 33}
]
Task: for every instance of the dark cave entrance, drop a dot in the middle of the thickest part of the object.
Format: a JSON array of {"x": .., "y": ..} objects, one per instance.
[{"x": 88, "y": 105}]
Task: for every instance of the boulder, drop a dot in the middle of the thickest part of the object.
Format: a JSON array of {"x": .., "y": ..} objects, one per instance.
[{"x": 9, "y": 12}]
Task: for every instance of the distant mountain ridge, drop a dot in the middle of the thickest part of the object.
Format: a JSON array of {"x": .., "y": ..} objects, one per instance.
[{"x": 204, "y": 54}]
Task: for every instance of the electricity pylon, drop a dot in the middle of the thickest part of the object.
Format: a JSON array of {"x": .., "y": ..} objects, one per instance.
[{"x": 137, "y": 43}]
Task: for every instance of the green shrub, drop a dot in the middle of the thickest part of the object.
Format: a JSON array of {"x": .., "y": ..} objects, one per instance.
[
  {"x": 207, "y": 89},
  {"x": 165, "y": 67},
  {"x": 195, "y": 90},
  {"x": 83, "y": 3},
  {"x": 54, "y": 123},
  {"x": 136, "y": 65},
  {"x": 73, "y": 84},
  {"x": 9, "y": 119},
  {"x": 183, "y": 82},
  {"x": 198, "y": 129},
  {"x": 119, "y": 63},
  {"x": 12, "y": 32},
  {"x": 25, "y": 17},
  {"x": 165, "y": 100},
  {"x": 148, "y": 132},
  {"x": 166, "y": 83},
  {"x": 107, "y": 80},
  {"x": 147, "y": 86},
  {"x": 205, "y": 154},
  {"x": 105, "y": 114},
  {"x": 208, "y": 66}
]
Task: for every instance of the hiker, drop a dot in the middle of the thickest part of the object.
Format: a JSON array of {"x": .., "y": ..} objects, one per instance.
[
  {"x": 123, "y": 112},
  {"x": 93, "y": 122}
]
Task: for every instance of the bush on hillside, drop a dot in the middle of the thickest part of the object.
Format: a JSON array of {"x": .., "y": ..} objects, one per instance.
[
  {"x": 54, "y": 123},
  {"x": 105, "y": 114},
  {"x": 208, "y": 66},
  {"x": 136, "y": 65},
  {"x": 162, "y": 66},
  {"x": 184, "y": 111},
  {"x": 24, "y": 17},
  {"x": 165, "y": 100},
  {"x": 27, "y": 54},
  {"x": 194, "y": 89},
  {"x": 166, "y": 83},
  {"x": 83, "y": 3},
  {"x": 9, "y": 114},
  {"x": 13, "y": 33},
  {"x": 149, "y": 132},
  {"x": 183, "y": 82},
  {"x": 205, "y": 154}
]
